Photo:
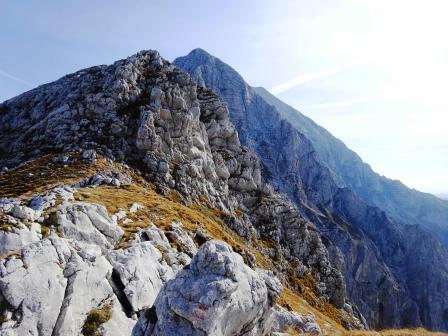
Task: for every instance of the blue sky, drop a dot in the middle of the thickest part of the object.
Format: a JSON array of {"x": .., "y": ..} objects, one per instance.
[{"x": 373, "y": 72}]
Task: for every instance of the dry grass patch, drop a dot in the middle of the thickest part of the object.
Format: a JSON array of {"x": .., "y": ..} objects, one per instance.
[
  {"x": 163, "y": 211},
  {"x": 45, "y": 231},
  {"x": 5, "y": 225},
  {"x": 37, "y": 176},
  {"x": 294, "y": 302},
  {"x": 96, "y": 318}
]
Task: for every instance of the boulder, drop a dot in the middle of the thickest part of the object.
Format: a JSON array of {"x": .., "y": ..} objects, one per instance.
[
  {"x": 142, "y": 271},
  {"x": 25, "y": 213},
  {"x": 217, "y": 294}
]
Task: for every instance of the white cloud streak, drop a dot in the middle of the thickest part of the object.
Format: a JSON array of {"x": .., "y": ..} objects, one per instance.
[
  {"x": 309, "y": 77},
  {"x": 347, "y": 103},
  {"x": 16, "y": 79}
]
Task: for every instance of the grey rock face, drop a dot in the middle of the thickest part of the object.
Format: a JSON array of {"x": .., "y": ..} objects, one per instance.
[
  {"x": 88, "y": 223},
  {"x": 216, "y": 295},
  {"x": 142, "y": 271},
  {"x": 19, "y": 236},
  {"x": 407, "y": 250},
  {"x": 50, "y": 288},
  {"x": 27, "y": 303},
  {"x": 311, "y": 167}
]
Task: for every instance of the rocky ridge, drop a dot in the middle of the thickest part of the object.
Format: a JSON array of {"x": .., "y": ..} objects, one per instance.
[
  {"x": 146, "y": 113},
  {"x": 377, "y": 254}
]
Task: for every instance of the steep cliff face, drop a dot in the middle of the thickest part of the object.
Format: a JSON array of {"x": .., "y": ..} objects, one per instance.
[
  {"x": 366, "y": 244},
  {"x": 403, "y": 204},
  {"x": 181, "y": 157}
]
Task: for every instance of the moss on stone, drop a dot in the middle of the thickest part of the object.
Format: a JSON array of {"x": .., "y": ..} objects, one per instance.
[{"x": 96, "y": 317}]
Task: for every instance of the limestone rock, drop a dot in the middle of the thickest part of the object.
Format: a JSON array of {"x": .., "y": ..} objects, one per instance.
[
  {"x": 89, "y": 156},
  {"x": 25, "y": 213},
  {"x": 20, "y": 235},
  {"x": 88, "y": 223},
  {"x": 33, "y": 310},
  {"x": 284, "y": 319},
  {"x": 142, "y": 271},
  {"x": 48, "y": 199},
  {"x": 179, "y": 237},
  {"x": 216, "y": 295}
]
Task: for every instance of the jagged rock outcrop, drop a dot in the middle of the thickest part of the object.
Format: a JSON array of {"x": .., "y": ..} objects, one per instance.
[
  {"x": 368, "y": 246},
  {"x": 50, "y": 288},
  {"x": 88, "y": 223},
  {"x": 146, "y": 111},
  {"x": 143, "y": 112}
]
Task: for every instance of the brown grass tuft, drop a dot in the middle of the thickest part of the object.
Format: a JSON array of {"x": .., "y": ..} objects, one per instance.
[{"x": 96, "y": 317}]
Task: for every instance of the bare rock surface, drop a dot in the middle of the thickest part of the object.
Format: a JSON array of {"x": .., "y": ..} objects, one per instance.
[
  {"x": 88, "y": 223},
  {"x": 216, "y": 295},
  {"x": 142, "y": 271}
]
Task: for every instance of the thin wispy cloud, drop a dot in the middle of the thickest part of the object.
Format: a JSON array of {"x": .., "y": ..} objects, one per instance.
[
  {"x": 347, "y": 103},
  {"x": 309, "y": 77},
  {"x": 16, "y": 79}
]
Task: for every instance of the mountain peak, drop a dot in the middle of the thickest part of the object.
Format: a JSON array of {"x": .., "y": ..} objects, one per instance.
[
  {"x": 199, "y": 52},
  {"x": 199, "y": 63},
  {"x": 198, "y": 56}
]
